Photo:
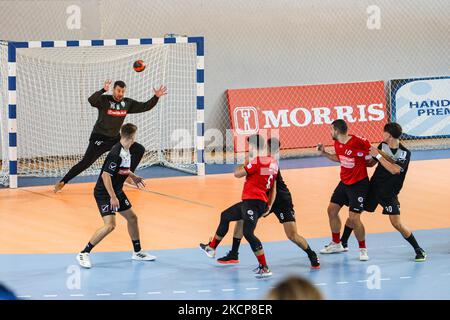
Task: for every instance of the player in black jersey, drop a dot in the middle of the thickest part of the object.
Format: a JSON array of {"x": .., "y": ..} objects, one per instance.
[
  {"x": 112, "y": 110},
  {"x": 281, "y": 205},
  {"x": 393, "y": 161},
  {"x": 110, "y": 198}
]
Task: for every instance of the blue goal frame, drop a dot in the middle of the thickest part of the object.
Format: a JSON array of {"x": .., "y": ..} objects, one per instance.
[{"x": 12, "y": 106}]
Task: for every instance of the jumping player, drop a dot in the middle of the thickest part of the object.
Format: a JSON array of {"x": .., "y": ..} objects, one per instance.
[
  {"x": 351, "y": 152},
  {"x": 281, "y": 204},
  {"x": 393, "y": 160},
  {"x": 110, "y": 197},
  {"x": 112, "y": 110},
  {"x": 260, "y": 174}
]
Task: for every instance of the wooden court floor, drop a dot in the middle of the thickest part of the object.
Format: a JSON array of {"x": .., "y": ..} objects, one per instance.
[{"x": 180, "y": 212}]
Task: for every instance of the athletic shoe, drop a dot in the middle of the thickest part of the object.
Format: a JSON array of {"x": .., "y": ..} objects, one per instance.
[
  {"x": 142, "y": 256},
  {"x": 84, "y": 260},
  {"x": 421, "y": 255},
  {"x": 345, "y": 246},
  {"x": 210, "y": 252},
  {"x": 315, "y": 263},
  {"x": 262, "y": 272},
  {"x": 333, "y": 247},
  {"x": 58, "y": 187},
  {"x": 230, "y": 258},
  {"x": 363, "y": 256}
]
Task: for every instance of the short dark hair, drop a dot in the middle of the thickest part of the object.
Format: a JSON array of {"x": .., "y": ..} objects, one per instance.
[
  {"x": 340, "y": 125},
  {"x": 257, "y": 141},
  {"x": 127, "y": 130},
  {"x": 119, "y": 83},
  {"x": 273, "y": 143},
  {"x": 394, "y": 129}
]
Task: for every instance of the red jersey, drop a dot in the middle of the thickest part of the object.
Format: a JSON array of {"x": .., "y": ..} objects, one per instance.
[
  {"x": 352, "y": 156},
  {"x": 261, "y": 175}
]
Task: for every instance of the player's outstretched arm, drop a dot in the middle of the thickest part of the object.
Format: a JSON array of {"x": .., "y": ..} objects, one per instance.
[
  {"x": 138, "y": 107},
  {"x": 138, "y": 181},
  {"x": 272, "y": 196},
  {"x": 108, "y": 185},
  {"x": 240, "y": 171},
  {"x": 328, "y": 155},
  {"x": 95, "y": 98},
  {"x": 387, "y": 164}
]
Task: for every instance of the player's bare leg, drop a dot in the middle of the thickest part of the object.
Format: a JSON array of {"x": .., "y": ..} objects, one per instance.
[
  {"x": 109, "y": 224},
  {"x": 132, "y": 223},
  {"x": 360, "y": 234},
  {"x": 133, "y": 231},
  {"x": 232, "y": 213},
  {"x": 290, "y": 228},
  {"x": 335, "y": 245},
  {"x": 108, "y": 227},
  {"x": 407, "y": 234}
]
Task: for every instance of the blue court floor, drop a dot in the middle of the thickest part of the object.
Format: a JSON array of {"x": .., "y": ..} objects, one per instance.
[{"x": 189, "y": 274}]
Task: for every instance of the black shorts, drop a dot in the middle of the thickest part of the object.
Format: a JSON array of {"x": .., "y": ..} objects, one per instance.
[
  {"x": 252, "y": 210},
  {"x": 284, "y": 212},
  {"x": 353, "y": 196},
  {"x": 104, "y": 204},
  {"x": 390, "y": 204}
]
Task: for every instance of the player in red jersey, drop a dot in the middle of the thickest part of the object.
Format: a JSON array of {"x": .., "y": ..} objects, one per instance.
[
  {"x": 351, "y": 152},
  {"x": 260, "y": 173}
]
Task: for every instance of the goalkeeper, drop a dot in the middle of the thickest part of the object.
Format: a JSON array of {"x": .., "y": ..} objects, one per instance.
[{"x": 112, "y": 110}]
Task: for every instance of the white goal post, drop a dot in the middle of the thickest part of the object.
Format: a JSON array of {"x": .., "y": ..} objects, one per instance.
[{"x": 46, "y": 118}]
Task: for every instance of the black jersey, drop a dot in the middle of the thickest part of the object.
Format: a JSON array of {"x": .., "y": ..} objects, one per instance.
[
  {"x": 111, "y": 114},
  {"x": 388, "y": 184},
  {"x": 117, "y": 165},
  {"x": 283, "y": 199}
]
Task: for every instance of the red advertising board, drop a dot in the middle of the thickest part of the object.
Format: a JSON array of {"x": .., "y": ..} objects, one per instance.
[{"x": 301, "y": 115}]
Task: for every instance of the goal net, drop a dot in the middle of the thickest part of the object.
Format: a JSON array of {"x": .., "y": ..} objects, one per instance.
[{"x": 54, "y": 118}]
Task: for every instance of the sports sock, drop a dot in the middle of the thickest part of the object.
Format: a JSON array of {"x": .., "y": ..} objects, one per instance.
[
  {"x": 413, "y": 242},
  {"x": 236, "y": 244},
  {"x": 262, "y": 260},
  {"x": 136, "y": 245},
  {"x": 308, "y": 251},
  {"x": 336, "y": 236},
  {"x": 214, "y": 243},
  {"x": 362, "y": 244},
  {"x": 346, "y": 234},
  {"x": 88, "y": 248}
]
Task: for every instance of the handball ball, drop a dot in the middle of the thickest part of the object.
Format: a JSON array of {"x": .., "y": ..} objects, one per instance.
[{"x": 139, "y": 66}]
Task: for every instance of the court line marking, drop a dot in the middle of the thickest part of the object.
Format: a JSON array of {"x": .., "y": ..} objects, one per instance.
[
  {"x": 179, "y": 292},
  {"x": 203, "y": 291},
  {"x": 128, "y": 293},
  {"x": 320, "y": 284},
  {"x": 250, "y": 289},
  {"x": 228, "y": 290},
  {"x": 50, "y": 295},
  {"x": 362, "y": 281},
  {"x": 172, "y": 197},
  {"x": 342, "y": 282},
  {"x": 77, "y": 295},
  {"x": 103, "y": 294},
  {"x": 406, "y": 277},
  {"x": 22, "y": 297},
  {"x": 154, "y": 292}
]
